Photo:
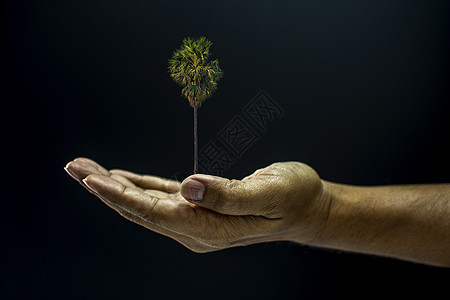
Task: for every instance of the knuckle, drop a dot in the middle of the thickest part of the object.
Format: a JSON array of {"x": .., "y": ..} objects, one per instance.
[
  {"x": 234, "y": 187},
  {"x": 228, "y": 195}
]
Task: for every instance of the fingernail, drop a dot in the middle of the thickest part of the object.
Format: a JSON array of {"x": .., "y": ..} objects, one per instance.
[
  {"x": 66, "y": 168},
  {"x": 91, "y": 188},
  {"x": 192, "y": 189}
]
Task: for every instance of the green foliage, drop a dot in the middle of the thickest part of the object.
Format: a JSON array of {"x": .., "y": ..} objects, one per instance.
[{"x": 191, "y": 68}]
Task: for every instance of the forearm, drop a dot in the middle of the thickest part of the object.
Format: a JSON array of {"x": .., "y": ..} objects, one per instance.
[{"x": 407, "y": 222}]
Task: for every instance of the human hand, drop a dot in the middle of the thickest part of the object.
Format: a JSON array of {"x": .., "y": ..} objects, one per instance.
[{"x": 284, "y": 201}]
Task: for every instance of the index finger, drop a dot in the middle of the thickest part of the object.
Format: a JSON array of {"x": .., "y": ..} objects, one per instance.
[
  {"x": 150, "y": 182},
  {"x": 156, "y": 210}
]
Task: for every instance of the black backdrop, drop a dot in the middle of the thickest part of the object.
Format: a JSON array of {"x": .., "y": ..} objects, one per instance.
[{"x": 365, "y": 90}]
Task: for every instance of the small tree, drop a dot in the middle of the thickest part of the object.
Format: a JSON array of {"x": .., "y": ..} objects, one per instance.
[{"x": 192, "y": 69}]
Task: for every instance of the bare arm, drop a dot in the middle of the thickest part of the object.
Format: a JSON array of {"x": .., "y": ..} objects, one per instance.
[
  {"x": 283, "y": 201},
  {"x": 410, "y": 222}
]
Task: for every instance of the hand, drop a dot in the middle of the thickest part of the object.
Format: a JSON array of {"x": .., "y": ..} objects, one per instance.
[{"x": 283, "y": 201}]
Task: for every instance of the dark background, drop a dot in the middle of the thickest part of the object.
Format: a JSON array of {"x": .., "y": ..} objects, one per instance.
[{"x": 365, "y": 88}]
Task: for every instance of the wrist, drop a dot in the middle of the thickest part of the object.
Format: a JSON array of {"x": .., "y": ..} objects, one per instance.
[
  {"x": 328, "y": 199},
  {"x": 311, "y": 220},
  {"x": 322, "y": 210}
]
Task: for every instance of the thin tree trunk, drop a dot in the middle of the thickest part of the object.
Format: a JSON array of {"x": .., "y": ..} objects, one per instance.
[{"x": 195, "y": 142}]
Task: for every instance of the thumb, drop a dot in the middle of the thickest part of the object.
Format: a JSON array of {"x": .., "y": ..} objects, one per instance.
[{"x": 230, "y": 197}]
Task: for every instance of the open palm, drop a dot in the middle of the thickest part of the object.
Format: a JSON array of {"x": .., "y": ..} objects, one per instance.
[{"x": 156, "y": 203}]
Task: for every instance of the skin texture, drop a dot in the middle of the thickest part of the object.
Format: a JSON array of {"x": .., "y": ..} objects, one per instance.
[{"x": 283, "y": 202}]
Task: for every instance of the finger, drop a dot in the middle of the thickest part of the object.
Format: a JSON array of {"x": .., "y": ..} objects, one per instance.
[
  {"x": 159, "y": 194},
  {"x": 94, "y": 163},
  {"x": 179, "y": 217},
  {"x": 229, "y": 197},
  {"x": 80, "y": 168},
  {"x": 123, "y": 181},
  {"x": 186, "y": 241},
  {"x": 128, "y": 183},
  {"x": 150, "y": 182},
  {"x": 131, "y": 199}
]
